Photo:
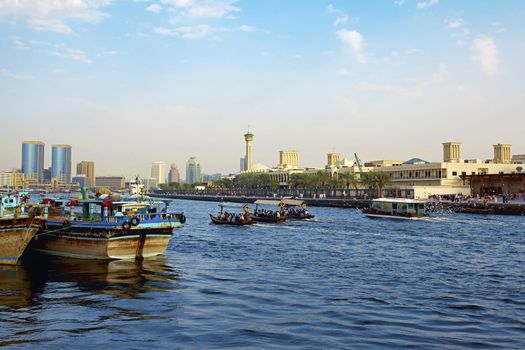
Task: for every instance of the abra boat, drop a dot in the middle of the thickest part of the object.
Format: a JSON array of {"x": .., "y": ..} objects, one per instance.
[
  {"x": 269, "y": 216},
  {"x": 295, "y": 209},
  {"x": 396, "y": 208},
  {"x": 104, "y": 229},
  {"x": 225, "y": 218},
  {"x": 17, "y": 229}
]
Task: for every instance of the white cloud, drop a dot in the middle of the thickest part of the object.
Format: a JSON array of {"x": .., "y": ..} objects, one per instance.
[
  {"x": 399, "y": 2},
  {"x": 486, "y": 54},
  {"x": 74, "y": 54},
  {"x": 425, "y": 4},
  {"x": 454, "y": 23},
  {"x": 190, "y": 32},
  {"x": 355, "y": 41},
  {"x": 8, "y": 74},
  {"x": 202, "y": 8},
  {"x": 341, "y": 17},
  {"x": 343, "y": 72},
  {"x": 58, "y": 50},
  {"x": 54, "y": 15},
  {"x": 155, "y": 8},
  {"x": 246, "y": 28}
]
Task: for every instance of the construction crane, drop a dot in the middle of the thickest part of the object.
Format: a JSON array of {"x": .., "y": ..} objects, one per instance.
[{"x": 358, "y": 161}]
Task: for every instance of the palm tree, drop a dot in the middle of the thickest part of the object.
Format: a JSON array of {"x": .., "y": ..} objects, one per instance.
[{"x": 376, "y": 180}]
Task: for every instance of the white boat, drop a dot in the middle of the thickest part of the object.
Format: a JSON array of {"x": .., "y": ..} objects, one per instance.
[{"x": 396, "y": 208}]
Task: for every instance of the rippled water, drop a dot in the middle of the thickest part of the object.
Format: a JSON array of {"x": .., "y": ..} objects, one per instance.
[{"x": 342, "y": 281}]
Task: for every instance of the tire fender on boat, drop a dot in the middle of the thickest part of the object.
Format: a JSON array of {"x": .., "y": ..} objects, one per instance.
[
  {"x": 182, "y": 218},
  {"x": 135, "y": 221},
  {"x": 126, "y": 225},
  {"x": 65, "y": 223}
]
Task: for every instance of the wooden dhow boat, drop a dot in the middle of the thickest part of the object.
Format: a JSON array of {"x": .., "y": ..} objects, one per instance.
[
  {"x": 295, "y": 209},
  {"x": 17, "y": 228},
  {"x": 105, "y": 229}
]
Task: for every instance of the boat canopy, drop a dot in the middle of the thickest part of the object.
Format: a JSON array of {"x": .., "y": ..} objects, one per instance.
[
  {"x": 267, "y": 202},
  {"x": 293, "y": 202},
  {"x": 232, "y": 205},
  {"x": 398, "y": 200}
]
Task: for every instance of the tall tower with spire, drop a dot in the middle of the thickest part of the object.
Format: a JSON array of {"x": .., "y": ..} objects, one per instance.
[{"x": 248, "y": 137}]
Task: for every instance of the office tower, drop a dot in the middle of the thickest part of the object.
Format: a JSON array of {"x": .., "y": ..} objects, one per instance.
[
  {"x": 87, "y": 168},
  {"x": 61, "y": 162},
  {"x": 193, "y": 171},
  {"x": 33, "y": 160},
  {"x": 158, "y": 172},
  {"x": 173, "y": 174}
]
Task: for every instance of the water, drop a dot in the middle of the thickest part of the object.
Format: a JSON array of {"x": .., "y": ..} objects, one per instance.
[{"x": 343, "y": 281}]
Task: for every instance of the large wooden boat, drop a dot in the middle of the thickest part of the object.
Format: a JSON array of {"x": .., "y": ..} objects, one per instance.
[
  {"x": 475, "y": 210},
  {"x": 396, "y": 208},
  {"x": 16, "y": 229},
  {"x": 109, "y": 230}
]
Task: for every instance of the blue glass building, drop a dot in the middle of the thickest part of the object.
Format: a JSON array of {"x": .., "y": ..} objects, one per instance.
[
  {"x": 33, "y": 160},
  {"x": 193, "y": 171},
  {"x": 61, "y": 162}
]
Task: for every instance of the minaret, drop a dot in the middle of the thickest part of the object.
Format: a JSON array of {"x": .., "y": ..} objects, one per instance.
[{"x": 248, "y": 137}]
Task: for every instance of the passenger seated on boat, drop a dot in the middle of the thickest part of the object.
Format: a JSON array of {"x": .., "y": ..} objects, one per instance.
[{"x": 119, "y": 213}]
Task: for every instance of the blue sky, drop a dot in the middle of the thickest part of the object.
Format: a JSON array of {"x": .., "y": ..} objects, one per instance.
[{"x": 127, "y": 83}]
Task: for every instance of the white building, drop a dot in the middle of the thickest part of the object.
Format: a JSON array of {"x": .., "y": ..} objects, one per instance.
[{"x": 159, "y": 172}]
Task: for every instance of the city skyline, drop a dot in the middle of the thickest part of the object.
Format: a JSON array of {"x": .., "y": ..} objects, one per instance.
[{"x": 317, "y": 77}]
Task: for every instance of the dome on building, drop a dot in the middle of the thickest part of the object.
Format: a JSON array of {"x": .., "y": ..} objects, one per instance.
[{"x": 415, "y": 161}]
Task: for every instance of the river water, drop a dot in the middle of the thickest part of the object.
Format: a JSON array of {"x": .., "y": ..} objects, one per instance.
[{"x": 341, "y": 281}]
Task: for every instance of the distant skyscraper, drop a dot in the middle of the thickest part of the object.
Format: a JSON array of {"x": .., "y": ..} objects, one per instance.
[
  {"x": 242, "y": 164},
  {"x": 88, "y": 170},
  {"x": 33, "y": 160},
  {"x": 158, "y": 172},
  {"x": 248, "y": 137},
  {"x": 61, "y": 162},
  {"x": 173, "y": 174},
  {"x": 193, "y": 171}
]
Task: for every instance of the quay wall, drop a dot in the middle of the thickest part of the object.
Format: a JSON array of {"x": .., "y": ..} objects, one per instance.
[{"x": 497, "y": 208}]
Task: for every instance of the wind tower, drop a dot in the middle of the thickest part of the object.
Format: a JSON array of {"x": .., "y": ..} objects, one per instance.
[
  {"x": 451, "y": 152},
  {"x": 502, "y": 154},
  {"x": 248, "y": 137}
]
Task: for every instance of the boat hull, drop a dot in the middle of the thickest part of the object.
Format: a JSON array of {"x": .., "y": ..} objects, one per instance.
[
  {"x": 105, "y": 244},
  {"x": 15, "y": 235},
  {"x": 395, "y": 217},
  {"x": 272, "y": 220},
  {"x": 217, "y": 221}
]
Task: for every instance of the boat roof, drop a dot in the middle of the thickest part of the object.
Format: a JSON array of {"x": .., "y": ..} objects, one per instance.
[
  {"x": 267, "y": 201},
  {"x": 232, "y": 205},
  {"x": 292, "y": 202},
  {"x": 398, "y": 200}
]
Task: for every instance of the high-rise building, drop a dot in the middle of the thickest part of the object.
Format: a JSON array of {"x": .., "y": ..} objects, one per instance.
[
  {"x": 33, "y": 160},
  {"x": 248, "y": 137},
  {"x": 502, "y": 154},
  {"x": 288, "y": 159},
  {"x": 87, "y": 169},
  {"x": 61, "y": 163},
  {"x": 159, "y": 172},
  {"x": 111, "y": 182},
  {"x": 451, "y": 152},
  {"x": 242, "y": 164},
  {"x": 193, "y": 171},
  {"x": 81, "y": 180},
  {"x": 173, "y": 174}
]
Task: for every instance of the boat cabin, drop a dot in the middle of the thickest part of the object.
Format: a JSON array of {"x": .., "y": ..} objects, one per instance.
[{"x": 396, "y": 207}]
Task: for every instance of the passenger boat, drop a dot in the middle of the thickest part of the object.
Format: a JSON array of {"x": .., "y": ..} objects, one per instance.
[
  {"x": 295, "y": 209},
  {"x": 270, "y": 217},
  {"x": 17, "y": 228},
  {"x": 105, "y": 229},
  {"x": 396, "y": 208},
  {"x": 225, "y": 218},
  {"x": 475, "y": 210}
]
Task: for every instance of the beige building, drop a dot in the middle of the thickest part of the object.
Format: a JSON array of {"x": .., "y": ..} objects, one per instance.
[
  {"x": 451, "y": 152},
  {"x": 384, "y": 162},
  {"x": 12, "y": 179},
  {"x": 87, "y": 168},
  {"x": 288, "y": 160},
  {"x": 502, "y": 153},
  {"x": 111, "y": 182},
  {"x": 518, "y": 159},
  {"x": 332, "y": 159}
]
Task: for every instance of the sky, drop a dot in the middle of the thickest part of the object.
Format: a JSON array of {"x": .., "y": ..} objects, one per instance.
[{"x": 127, "y": 83}]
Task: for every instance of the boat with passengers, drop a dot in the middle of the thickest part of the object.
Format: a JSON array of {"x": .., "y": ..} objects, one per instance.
[
  {"x": 18, "y": 225},
  {"x": 396, "y": 208},
  {"x": 295, "y": 209},
  {"x": 226, "y": 218},
  {"x": 267, "y": 215},
  {"x": 107, "y": 229}
]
